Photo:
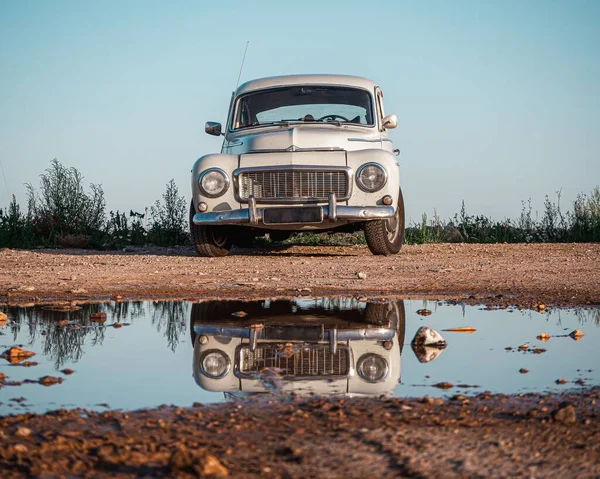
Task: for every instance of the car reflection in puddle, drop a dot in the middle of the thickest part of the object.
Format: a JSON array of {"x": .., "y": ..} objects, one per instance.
[{"x": 317, "y": 346}]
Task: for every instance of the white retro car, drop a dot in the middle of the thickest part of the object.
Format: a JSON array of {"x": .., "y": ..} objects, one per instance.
[
  {"x": 300, "y": 153},
  {"x": 303, "y": 346}
]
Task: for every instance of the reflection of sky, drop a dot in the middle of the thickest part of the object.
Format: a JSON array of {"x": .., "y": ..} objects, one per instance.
[
  {"x": 150, "y": 362},
  {"x": 480, "y": 358}
]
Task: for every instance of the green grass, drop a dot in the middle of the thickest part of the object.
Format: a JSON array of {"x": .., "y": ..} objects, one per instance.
[{"x": 61, "y": 210}]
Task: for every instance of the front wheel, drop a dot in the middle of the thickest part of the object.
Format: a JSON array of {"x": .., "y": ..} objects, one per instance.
[
  {"x": 211, "y": 241},
  {"x": 385, "y": 237}
]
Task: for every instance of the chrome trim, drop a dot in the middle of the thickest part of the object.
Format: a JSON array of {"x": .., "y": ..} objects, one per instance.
[
  {"x": 351, "y": 369},
  {"x": 377, "y": 334},
  {"x": 363, "y": 358},
  {"x": 236, "y": 182},
  {"x": 206, "y": 353},
  {"x": 233, "y": 112},
  {"x": 362, "y": 167},
  {"x": 332, "y": 208},
  {"x": 293, "y": 149},
  {"x": 346, "y": 213},
  {"x": 371, "y": 140},
  {"x": 227, "y": 182}
]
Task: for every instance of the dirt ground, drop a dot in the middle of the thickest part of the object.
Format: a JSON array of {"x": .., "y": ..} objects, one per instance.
[
  {"x": 555, "y": 435},
  {"x": 523, "y": 274},
  {"x": 483, "y": 436}
]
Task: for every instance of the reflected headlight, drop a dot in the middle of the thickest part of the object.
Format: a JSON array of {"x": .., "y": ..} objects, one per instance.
[
  {"x": 213, "y": 182},
  {"x": 372, "y": 368},
  {"x": 371, "y": 177},
  {"x": 215, "y": 364}
]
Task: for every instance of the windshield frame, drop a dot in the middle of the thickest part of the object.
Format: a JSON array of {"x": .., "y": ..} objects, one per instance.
[{"x": 235, "y": 108}]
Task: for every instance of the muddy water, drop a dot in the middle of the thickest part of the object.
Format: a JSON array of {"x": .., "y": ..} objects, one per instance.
[{"x": 145, "y": 354}]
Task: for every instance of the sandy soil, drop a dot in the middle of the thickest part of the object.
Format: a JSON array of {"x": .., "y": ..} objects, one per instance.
[
  {"x": 556, "y": 274},
  {"x": 484, "y": 436}
]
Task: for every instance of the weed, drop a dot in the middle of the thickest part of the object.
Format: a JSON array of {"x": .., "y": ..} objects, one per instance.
[{"x": 169, "y": 224}]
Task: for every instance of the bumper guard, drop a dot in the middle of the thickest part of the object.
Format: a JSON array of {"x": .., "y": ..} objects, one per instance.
[{"x": 332, "y": 212}]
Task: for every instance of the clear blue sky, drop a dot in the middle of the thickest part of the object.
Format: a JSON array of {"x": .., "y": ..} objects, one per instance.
[{"x": 497, "y": 102}]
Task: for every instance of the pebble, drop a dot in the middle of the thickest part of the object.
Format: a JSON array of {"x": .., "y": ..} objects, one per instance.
[
  {"x": 23, "y": 432},
  {"x": 565, "y": 413},
  {"x": 361, "y": 275}
]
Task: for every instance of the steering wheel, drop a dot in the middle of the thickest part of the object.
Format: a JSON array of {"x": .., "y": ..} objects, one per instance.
[{"x": 332, "y": 117}]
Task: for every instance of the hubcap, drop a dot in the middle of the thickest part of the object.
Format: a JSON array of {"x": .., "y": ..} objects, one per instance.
[{"x": 219, "y": 238}]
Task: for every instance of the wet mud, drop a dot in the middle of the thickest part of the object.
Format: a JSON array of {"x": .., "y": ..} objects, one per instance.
[{"x": 482, "y": 436}]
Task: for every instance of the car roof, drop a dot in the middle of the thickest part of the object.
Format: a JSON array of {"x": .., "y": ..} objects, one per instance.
[{"x": 288, "y": 80}]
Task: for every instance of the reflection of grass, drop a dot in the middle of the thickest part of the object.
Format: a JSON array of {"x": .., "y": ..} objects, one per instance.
[
  {"x": 170, "y": 316},
  {"x": 63, "y": 334}
]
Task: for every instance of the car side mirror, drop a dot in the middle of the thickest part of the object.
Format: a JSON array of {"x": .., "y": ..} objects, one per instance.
[
  {"x": 389, "y": 122},
  {"x": 213, "y": 128}
]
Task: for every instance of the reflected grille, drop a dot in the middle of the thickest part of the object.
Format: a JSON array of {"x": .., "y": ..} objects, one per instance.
[{"x": 301, "y": 361}]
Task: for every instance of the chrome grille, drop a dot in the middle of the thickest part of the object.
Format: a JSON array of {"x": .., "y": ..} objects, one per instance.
[
  {"x": 301, "y": 361},
  {"x": 293, "y": 184}
]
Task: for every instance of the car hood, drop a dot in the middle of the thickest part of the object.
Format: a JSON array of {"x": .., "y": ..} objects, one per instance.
[{"x": 302, "y": 137}]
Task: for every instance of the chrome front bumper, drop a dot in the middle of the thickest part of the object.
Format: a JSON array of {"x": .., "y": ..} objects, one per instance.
[{"x": 331, "y": 212}]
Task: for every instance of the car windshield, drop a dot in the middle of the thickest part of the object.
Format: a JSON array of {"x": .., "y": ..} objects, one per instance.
[{"x": 305, "y": 104}]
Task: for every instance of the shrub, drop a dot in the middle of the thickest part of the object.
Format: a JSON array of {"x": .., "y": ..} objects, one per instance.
[
  {"x": 120, "y": 232},
  {"x": 62, "y": 207},
  {"x": 15, "y": 227},
  {"x": 169, "y": 225}
]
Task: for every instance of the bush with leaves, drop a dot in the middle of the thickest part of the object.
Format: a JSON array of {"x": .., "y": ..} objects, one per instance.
[
  {"x": 120, "y": 231},
  {"x": 63, "y": 207},
  {"x": 169, "y": 226},
  {"x": 15, "y": 227}
]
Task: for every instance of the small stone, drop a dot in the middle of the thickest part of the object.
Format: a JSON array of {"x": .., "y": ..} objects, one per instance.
[
  {"x": 423, "y": 312},
  {"x": 20, "y": 448},
  {"x": 240, "y": 314},
  {"x": 2, "y": 377},
  {"x": 117, "y": 325},
  {"x": 523, "y": 347},
  {"x": 23, "y": 432},
  {"x": 67, "y": 371},
  {"x": 201, "y": 463},
  {"x": 29, "y": 364},
  {"x": 3, "y": 318},
  {"x": 561, "y": 381},
  {"x": 543, "y": 337},
  {"x": 361, "y": 275},
  {"x": 565, "y": 413},
  {"x": 17, "y": 353},
  {"x": 433, "y": 401},
  {"x": 576, "y": 334},
  {"x": 50, "y": 380},
  {"x": 98, "y": 317},
  {"x": 78, "y": 291},
  {"x": 443, "y": 385},
  {"x": 523, "y": 371},
  {"x": 428, "y": 337}
]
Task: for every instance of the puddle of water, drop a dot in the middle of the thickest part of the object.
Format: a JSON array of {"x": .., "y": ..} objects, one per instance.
[{"x": 180, "y": 353}]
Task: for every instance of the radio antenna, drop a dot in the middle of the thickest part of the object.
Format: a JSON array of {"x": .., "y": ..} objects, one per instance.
[{"x": 242, "y": 66}]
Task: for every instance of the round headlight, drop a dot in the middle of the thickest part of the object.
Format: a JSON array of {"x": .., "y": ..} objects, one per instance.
[
  {"x": 213, "y": 182},
  {"x": 371, "y": 177},
  {"x": 372, "y": 368},
  {"x": 215, "y": 364}
]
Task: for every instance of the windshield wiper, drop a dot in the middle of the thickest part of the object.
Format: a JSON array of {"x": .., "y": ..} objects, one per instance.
[{"x": 301, "y": 120}]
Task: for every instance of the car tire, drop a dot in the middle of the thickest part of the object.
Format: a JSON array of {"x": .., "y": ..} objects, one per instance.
[
  {"x": 210, "y": 241},
  {"x": 385, "y": 237}
]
